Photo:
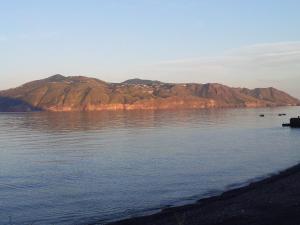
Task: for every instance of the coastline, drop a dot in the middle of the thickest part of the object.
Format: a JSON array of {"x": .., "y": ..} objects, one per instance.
[
  {"x": 124, "y": 109},
  {"x": 273, "y": 200}
]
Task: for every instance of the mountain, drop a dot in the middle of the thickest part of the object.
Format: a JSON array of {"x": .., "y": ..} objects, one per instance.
[
  {"x": 138, "y": 81},
  {"x": 78, "y": 93}
]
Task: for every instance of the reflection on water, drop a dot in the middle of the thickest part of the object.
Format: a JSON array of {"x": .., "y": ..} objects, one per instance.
[
  {"x": 70, "y": 122},
  {"x": 77, "y": 168}
]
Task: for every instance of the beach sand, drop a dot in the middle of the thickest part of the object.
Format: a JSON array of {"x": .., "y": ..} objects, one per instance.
[{"x": 272, "y": 201}]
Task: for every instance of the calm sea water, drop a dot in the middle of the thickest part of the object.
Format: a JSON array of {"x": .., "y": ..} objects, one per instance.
[{"x": 79, "y": 168}]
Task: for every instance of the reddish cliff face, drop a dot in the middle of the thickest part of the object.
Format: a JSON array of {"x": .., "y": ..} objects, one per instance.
[{"x": 59, "y": 93}]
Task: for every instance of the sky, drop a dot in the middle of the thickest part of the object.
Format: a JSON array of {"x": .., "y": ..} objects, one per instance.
[{"x": 235, "y": 42}]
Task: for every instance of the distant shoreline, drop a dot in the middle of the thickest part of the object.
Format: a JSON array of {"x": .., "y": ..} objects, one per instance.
[
  {"x": 273, "y": 200},
  {"x": 147, "y": 109}
]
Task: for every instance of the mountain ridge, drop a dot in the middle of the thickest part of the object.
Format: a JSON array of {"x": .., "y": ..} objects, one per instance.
[{"x": 79, "y": 93}]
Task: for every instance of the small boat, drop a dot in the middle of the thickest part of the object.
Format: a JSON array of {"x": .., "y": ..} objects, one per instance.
[
  {"x": 294, "y": 123},
  {"x": 281, "y": 114},
  {"x": 262, "y": 115}
]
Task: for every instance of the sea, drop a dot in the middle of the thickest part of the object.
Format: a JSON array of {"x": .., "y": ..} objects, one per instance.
[{"x": 97, "y": 167}]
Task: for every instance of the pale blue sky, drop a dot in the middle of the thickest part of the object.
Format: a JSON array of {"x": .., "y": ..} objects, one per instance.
[{"x": 235, "y": 42}]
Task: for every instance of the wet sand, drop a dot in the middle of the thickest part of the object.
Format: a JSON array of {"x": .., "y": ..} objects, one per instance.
[{"x": 272, "y": 201}]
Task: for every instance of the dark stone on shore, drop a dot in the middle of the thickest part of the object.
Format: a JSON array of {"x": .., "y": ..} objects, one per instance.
[
  {"x": 272, "y": 201},
  {"x": 294, "y": 123}
]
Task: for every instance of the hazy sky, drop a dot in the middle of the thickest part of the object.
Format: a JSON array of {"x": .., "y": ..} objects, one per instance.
[{"x": 249, "y": 43}]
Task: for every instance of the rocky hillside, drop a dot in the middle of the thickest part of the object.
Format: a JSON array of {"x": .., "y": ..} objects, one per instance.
[{"x": 60, "y": 93}]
